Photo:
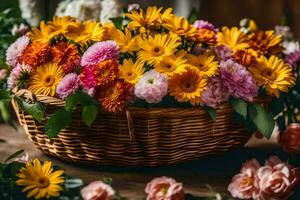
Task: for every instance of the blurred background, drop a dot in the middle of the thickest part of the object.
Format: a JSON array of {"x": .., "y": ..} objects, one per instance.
[{"x": 266, "y": 13}]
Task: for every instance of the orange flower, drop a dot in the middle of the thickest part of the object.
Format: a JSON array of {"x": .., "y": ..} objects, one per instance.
[
  {"x": 206, "y": 36},
  {"x": 66, "y": 55},
  {"x": 36, "y": 54},
  {"x": 106, "y": 72},
  {"x": 114, "y": 99},
  {"x": 244, "y": 57}
]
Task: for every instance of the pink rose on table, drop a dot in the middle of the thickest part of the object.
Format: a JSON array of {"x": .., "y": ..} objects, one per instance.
[
  {"x": 277, "y": 180},
  {"x": 164, "y": 188},
  {"x": 97, "y": 191},
  {"x": 245, "y": 184},
  {"x": 290, "y": 140}
]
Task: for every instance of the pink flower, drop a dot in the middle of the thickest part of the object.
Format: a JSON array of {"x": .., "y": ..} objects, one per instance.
[
  {"x": 245, "y": 185},
  {"x": 3, "y": 74},
  {"x": 68, "y": 85},
  {"x": 152, "y": 87},
  {"x": 20, "y": 30},
  {"x": 164, "y": 188},
  {"x": 201, "y": 24},
  {"x": 215, "y": 93},
  {"x": 23, "y": 159},
  {"x": 87, "y": 77},
  {"x": 277, "y": 180},
  {"x": 238, "y": 80},
  {"x": 290, "y": 141},
  {"x": 99, "y": 52},
  {"x": 223, "y": 52},
  {"x": 18, "y": 75},
  {"x": 133, "y": 6},
  {"x": 15, "y": 50},
  {"x": 97, "y": 191}
]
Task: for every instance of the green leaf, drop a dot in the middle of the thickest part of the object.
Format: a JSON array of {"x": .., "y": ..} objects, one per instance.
[
  {"x": 5, "y": 95},
  {"x": 107, "y": 180},
  {"x": 89, "y": 114},
  {"x": 193, "y": 16},
  {"x": 73, "y": 183},
  {"x": 79, "y": 98},
  {"x": 4, "y": 111},
  {"x": 118, "y": 22},
  {"x": 71, "y": 102},
  {"x": 262, "y": 119},
  {"x": 36, "y": 110},
  {"x": 14, "y": 155},
  {"x": 58, "y": 121},
  {"x": 239, "y": 106},
  {"x": 212, "y": 112}
]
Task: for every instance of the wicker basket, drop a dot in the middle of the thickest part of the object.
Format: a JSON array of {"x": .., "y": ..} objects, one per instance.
[{"x": 141, "y": 137}]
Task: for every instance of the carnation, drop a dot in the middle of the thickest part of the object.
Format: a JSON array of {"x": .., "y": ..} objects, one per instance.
[
  {"x": 238, "y": 80},
  {"x": 152, "y": 87},
  {"x": 18, "y": 76},
  {"x": 293, "y": 58},
  {"x": 223, "y": 52},
  {"x": 68, "y": 85},
  {"x": 99, "y": 52},
  {"x": 15, "y": 50},
  {"x": 215, "y": 93},
  {"x": 201, "y": 24},
  {"x": 87, "y": 77}
]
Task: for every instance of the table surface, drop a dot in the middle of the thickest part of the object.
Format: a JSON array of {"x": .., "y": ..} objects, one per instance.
[{"x": 215, "y": 171}]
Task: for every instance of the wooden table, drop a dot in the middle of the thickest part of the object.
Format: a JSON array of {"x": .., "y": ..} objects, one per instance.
[{"x": 215, "y": 171}]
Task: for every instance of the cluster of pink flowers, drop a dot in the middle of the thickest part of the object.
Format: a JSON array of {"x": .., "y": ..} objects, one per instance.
[
  {"x": 15, "y": 50},
  {"x": 276, "y": 180}
]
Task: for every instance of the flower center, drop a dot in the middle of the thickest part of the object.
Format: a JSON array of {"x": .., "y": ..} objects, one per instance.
[
  {"x": 158, "y": 51},
  {"x": 49, "y": 81},
  {"x": 188, "y": 87},
  {"x": 150, "y": 81},
  {"x": 43, "y": 182}
]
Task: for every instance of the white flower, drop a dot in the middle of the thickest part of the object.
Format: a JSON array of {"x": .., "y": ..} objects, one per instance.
[
  {"x": 110, "y": 8},
  {"x": 290, "y": 47},
  {"x": 32, "y": 11}
]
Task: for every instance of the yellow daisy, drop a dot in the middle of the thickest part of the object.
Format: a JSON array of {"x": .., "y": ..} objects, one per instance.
[
  {"x": 60, "y": 25},
  {"x": 232, "y": 38},
  {"x": 88, "y": 31},
  {"x": 39, "y": 180},
  {"x": 150, "y": 19},
  {"x": 273, "y": 74},
  {"x": 125, "y": 41},
  {"x": 180, "y": 26},
  {"x": 205, "y": 63},
  {"x": 131, "y": 72},
  {"x": 154, "y": 49},
  {"x": 42, "y": 34},
  {"x": 172, "y": 64},
  {"x": 45, "y": 78},
  {"x": 188, "y": 86}
]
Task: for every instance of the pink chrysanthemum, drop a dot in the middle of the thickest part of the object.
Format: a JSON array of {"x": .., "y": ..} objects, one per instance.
[
  {"x": 293, "y": 58},
  {"x": 238, "y": 80},
  {"x": 215, "y": 93},
  {"x": 152, "y": 87},
  {"x": 18, "y": 76},
  {"x": 68, "y": 85},
  {"x": 99, "y": 52},
  {"x": 87, "y": 77},
  {"x": 201, "y": 24},
  {"x": 15, "y": 50},
  {"x": 223, "y": 52}
]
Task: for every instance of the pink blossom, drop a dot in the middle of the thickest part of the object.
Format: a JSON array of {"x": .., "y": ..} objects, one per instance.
[
  {"x": 16, "y": 75},
  {"x": 164, "y": 188},
  {"x": 152, "y": 87},
  {"x": 68, "y": 85},
  {"x": 15, "y": 50},
  {"x": 99, "y": 52},
  {"x": 215, "y": 93},
  {"x": 277, "y": 180},
  {"x": 245, "y": 185},
  {"x": 20, "y": 30},
  {"x": 223, "y": 52},
  {"x": 97, "y": 191},
  {"x": 238, "y": 80},
  {"x": 133, "y": 6},
  {"x": 201, "y": 24},
  {"x": 87, "y": 77}
]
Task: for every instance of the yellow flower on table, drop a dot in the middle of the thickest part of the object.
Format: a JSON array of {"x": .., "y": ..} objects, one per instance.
[
  {"x": 273, "y": 74},
  {"x": 232, "y": 38},
  {"x": 42, "y": 34},
  {"x": 88, "y": 31},
  {"x": 173, "y": 64},
  {"x": 188, "y": 86},
  {"x": 205, "y": 63},
  {"x": 131, "y": 72},
  {"x": 60, "y": 25},
  {"x": 39, "y": 180},
  {"x": 45, "y": 79},
  {"x": 155, "y": 48}
]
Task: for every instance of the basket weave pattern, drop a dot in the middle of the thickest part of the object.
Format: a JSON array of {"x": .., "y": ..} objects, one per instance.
[{"x": 162, "y": 136}]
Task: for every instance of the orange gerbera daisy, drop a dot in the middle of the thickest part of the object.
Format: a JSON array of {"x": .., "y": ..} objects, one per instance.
[
  {"x": 114, "y": 99},
  {"x": 66, "y": 55},
  {"x": 206, "y": 36},
  {"x": 266, "y": 42},
  {"x": 244, "y": 57},
  {"x": 36, "y": 53},
  {"x": 106, "y": 72}
]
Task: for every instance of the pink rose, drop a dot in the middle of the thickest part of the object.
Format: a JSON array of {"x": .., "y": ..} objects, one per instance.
[
  {"x": 277, "y": 180},
  {"x": 164, "y": 188},
  {"x": 245, "y": 184},
  {"x": 97, "y": 191},
  {"x": 290, "y": 141}
]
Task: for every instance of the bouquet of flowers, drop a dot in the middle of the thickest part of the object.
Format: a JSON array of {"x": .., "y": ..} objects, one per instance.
[{"x": 152, "y": 58}]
